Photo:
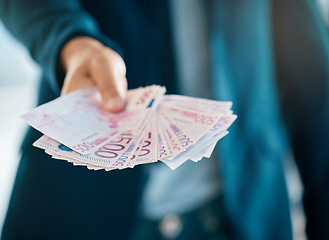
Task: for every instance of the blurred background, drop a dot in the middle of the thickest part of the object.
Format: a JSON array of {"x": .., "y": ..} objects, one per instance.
[
  {"x": 19, "y": 77},
  {"x": 18, "y": 88}
]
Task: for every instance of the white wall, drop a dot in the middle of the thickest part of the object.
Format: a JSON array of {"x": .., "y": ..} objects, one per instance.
[{"x": 18, "y": 79}]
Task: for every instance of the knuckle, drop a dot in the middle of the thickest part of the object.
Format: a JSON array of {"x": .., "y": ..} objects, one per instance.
[
  {"x": 111, "y": 61},
  {"x": 99, "y": 60}
]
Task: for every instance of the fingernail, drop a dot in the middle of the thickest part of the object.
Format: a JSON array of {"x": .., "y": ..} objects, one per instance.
[{"x": 114, "y": 104}]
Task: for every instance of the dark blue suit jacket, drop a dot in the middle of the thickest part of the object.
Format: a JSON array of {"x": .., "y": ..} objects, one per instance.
[{"x": 271, "y": 58}]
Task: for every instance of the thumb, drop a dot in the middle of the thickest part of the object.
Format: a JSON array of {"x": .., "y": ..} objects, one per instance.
[
  {"x": 111, "y": 80},
  {"x": 114, "y": 95}
]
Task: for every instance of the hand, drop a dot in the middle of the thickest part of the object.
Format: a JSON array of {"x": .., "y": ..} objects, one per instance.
[{"x": 89, "y": 63}]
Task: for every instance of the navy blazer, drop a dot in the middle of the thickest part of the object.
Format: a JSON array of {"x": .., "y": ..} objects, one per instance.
[{"x": 271, "y": 58}]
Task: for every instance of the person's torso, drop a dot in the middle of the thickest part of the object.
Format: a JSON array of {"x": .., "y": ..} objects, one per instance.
[{"x": 142, "y": 29}]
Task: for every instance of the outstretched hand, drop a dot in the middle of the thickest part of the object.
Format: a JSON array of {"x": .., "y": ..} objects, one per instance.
[{"x": 89, "y": 63}]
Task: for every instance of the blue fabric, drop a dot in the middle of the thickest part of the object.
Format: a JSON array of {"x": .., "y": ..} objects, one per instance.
[
  {"x": 302, "y": 59},
  {"x": 251, "y": 156},
  {"x": 206, "y": 222},
  {"x": 192, "y": 184},
  {"x": 44, "y": 26},
  {"x": 269, "y": 57}
]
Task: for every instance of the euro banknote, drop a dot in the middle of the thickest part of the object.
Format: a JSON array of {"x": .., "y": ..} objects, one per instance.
[{"x": 153, "y": 127}]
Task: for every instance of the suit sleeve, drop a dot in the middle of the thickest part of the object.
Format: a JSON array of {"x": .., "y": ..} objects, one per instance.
[{"x": 44, "y": 26}]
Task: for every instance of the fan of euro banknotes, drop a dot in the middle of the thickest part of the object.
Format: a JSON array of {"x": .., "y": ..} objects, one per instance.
[{"x": 153, "y": 127}]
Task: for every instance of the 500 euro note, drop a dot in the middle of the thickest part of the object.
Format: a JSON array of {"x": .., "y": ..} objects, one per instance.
[
  {"x": 78, "y": 120},
  {"x": 153, "y": 127}
]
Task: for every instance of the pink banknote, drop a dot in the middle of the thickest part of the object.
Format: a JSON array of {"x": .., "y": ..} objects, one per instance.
[
  {"x": 79, "y": 122},
  {"x": 153, "y": 127}
]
